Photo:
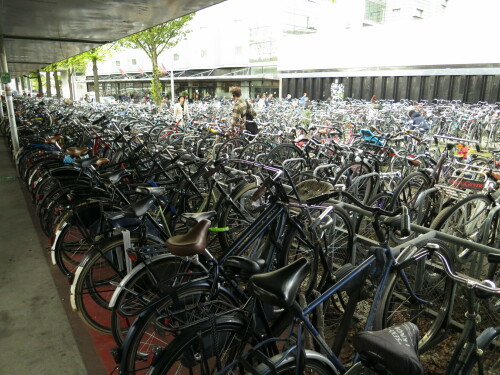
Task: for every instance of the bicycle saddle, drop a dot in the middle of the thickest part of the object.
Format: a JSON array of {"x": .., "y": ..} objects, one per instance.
[
  {"x": 114, "y": 177},
  {"x": 101, "y": 161},
  {"x": 53, "y": 139},
  {"x": 193, "y": 218},
  {"x": 394, "y": 349},
  {"x": 280, "y": 287},
  {"x": 192, "y": 243},
  {"x": 244, "y": 266},
  {"x": 85, "y": 163},
  {"x": 138, "y": 208},
  {"x": 77, "y": 151},
  {"x": 152, "y": 190}
]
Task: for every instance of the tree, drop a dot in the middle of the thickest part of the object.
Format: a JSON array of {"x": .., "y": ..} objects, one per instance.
[
  {"x": 74, "y": 64},
  {"x": 95, "y": 55},
  {"x": 154, "y": 41},
  {"x": 36, "y": 75},
  {"x": 52, "y": 68}
]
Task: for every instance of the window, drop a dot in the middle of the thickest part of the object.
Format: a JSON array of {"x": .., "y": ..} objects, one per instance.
[
  {"x": 396, "y": 10},
  {"x": 375, "y": 10},
  {"x": 117, "y": 63},
  {"x": 176, "y": 57},
  {"x": 418, "y": 13},
  {"x": 204, "y": 53},
  {"x": 134, "y": 62},
  {"x": 238, "y": 50}
]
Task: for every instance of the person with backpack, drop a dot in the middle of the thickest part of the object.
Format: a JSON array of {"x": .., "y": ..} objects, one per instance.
[
  {"x": 417, "y": 121},
  {"x": 243, "y": 113}
]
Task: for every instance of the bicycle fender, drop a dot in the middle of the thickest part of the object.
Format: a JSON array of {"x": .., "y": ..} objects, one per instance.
[
  {"x": 129, "y": 275},
  {"x": 487, "y": 336}
]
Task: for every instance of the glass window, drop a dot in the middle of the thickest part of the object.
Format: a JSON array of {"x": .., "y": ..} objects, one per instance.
[
  {"x": 117, "y": 63},
  {"x": 176, "y": 57},
  {"x": 204, "y": 53},
  {"x": 375, "y": 10},
  {"x": 134, "y": 62}
]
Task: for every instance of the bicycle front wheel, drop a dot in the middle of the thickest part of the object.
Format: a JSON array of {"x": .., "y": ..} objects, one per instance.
[{"x": 429, "y": 282}]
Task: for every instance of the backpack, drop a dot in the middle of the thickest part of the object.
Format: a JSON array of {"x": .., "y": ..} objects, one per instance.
[{"x": 250, "y": 124}]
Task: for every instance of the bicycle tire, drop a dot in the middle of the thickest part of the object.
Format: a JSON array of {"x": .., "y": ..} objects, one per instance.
[
  {"x": 337, "y": 246},
  {"x": 144, "y": 285},
  {"x": 347, "y": 176},
  {"x": 197, "y": 350},
  {"x": 429, "y": 282},
  {"x": 464, "y": 219},
  {"x": 406, "y": 193},
  {"x": 314, "y": 363},
  {"x": 96, "y": 279},
  {"x": 149, "y": 334}
]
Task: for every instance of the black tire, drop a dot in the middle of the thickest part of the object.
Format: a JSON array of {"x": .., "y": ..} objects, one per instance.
[
  {"x": 364, "y": 224},
  {"x": 429, "y": 282},
  {"x": 232, "y": 147},
  {"x": 238, "y": 218},
  {"x": 96, "y": 279},
  {"x": 337, "y": 246},
  {"x": 314, "y": 363},
  {"x": 145, "y": 286},
  {"x": 465, "y": 220},
  {"x": 255, "y": 151},
  {"x": 348, "y": 175},
  {"x": 283, "y": 152},
  {"x": 407, "y": 193},
  {"x": 72, "y": 242},
  {"x": 153, "y": 329},
  {"x": 211, "y": 345}
]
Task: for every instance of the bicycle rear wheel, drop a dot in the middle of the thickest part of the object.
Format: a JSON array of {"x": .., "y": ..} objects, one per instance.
[
  {"x": 96, "y": 279},
  {"x": 205, "y": 349},
  {"x": 155, "y": 328}
]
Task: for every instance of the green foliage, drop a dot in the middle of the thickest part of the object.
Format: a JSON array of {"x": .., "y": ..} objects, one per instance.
[{"x": 154, "y": 41}]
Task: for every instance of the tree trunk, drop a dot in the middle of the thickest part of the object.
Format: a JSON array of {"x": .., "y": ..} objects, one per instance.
[
  {"x": 96, "y": 80},
  {"x": 70, "y": 83},
  {"x": 58, "y": 85},
  {"x": 47, "y": 82},
  {"x": 155, "y": 82},
  {"x": 39, "y": 80}
]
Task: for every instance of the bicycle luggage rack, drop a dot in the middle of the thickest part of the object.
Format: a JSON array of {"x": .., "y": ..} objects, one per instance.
[{"x": 467, "y": 180}]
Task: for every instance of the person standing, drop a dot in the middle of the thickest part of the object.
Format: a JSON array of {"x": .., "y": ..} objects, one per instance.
[
  {"x": 242, "y": 110},
  {"x": 181, "y": 110}
]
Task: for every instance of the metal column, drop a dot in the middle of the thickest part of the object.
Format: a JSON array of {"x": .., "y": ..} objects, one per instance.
[{"x": 8, "y": 96}]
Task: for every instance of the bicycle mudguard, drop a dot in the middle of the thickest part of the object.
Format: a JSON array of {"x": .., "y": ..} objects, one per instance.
[{"x": 487, "y": 336}]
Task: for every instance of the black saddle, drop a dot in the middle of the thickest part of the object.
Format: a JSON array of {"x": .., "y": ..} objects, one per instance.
[
  {"x": 244, "y": 266},
  {"x": 138, "y": 208},
  {"x": 280, "y": 287},
  {"x": 394, "y": 349},
  {"x": 85, "y": 163},
  {"x": 114, "y": 177},
  {"x": 193, "y": 218}
]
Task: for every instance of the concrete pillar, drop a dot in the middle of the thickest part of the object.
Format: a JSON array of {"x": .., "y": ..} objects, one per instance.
[
  {"x": 2, "y": 116},
  {"x": 63, "y": 81},
  {"x": 10, "y": 104},
  {"x": 29, "y": 84}
]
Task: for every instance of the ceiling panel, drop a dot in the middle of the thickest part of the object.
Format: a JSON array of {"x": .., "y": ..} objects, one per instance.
[{"x": 38, "y": 32}]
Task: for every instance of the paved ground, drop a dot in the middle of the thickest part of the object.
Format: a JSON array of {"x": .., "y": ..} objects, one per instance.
[{"x": 38, "y": 331}]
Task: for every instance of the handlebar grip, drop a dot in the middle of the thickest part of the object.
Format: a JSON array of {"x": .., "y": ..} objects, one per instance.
[{"x": 405, "y": 221}]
